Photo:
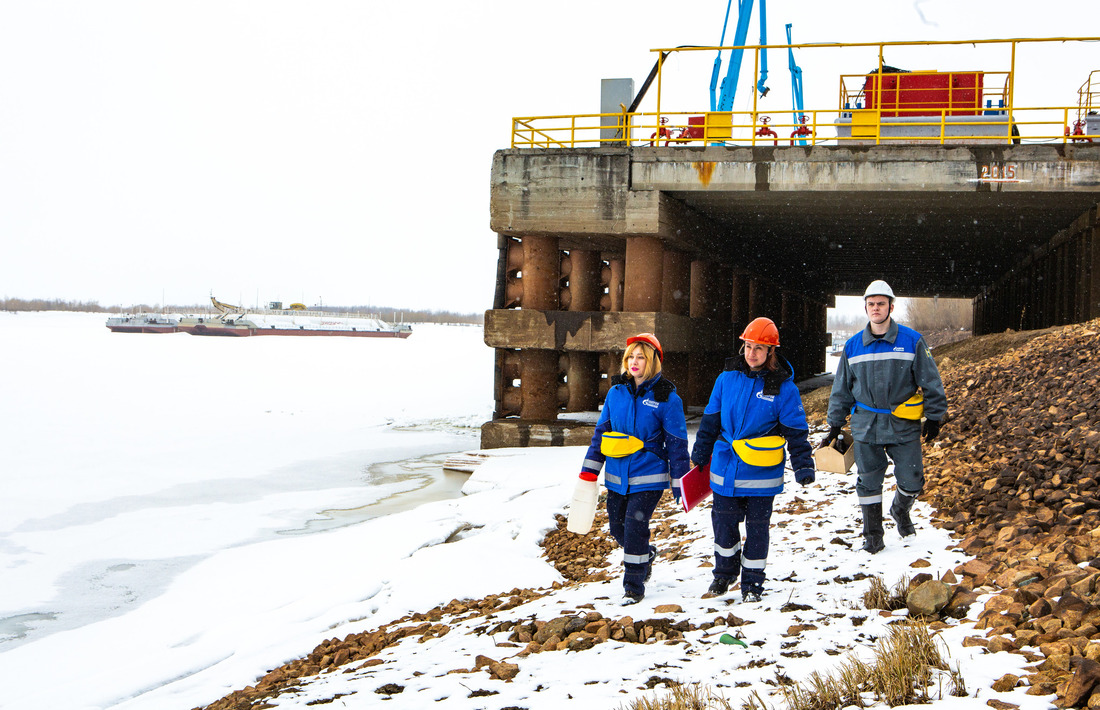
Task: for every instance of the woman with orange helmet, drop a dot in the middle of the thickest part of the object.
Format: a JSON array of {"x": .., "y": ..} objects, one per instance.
[
  {"x": 642, "y": 437},
  {"x": 754, "y": 410}
]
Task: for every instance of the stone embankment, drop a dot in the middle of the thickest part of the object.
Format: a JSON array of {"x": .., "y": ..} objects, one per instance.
[{"x": 1017, "y": 479}]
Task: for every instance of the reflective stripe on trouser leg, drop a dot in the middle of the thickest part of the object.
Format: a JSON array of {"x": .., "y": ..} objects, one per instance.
[
  {"x": 637, "y": 509},
  {"x": 754, "y": 556},
  {"x": 725, "y": 519}
]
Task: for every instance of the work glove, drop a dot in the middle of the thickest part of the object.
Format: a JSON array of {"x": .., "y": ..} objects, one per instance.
[
  {"x": 931, "y": 429},
  {"x": 588, "y": 476},
  {"x": 834, "y": 433},
  {"x": 804, "y": 476}
]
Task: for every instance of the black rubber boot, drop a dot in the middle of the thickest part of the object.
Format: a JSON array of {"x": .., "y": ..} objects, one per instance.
[
  {"x": 718, "y": 587},
  {"x": 872, "y": 528},
  {"x": 899, "y": 511}
]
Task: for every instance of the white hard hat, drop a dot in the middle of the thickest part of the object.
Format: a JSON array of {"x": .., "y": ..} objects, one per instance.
[{"x": 879, "y": 287}]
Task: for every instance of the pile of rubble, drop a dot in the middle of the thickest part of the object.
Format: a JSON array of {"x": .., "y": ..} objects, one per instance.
[{"x": 1018, "y": 480}]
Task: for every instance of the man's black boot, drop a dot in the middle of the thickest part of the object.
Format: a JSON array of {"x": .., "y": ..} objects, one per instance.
[
  {"x": 872, "y": 528},
  {"x": 899, "y": 511}
]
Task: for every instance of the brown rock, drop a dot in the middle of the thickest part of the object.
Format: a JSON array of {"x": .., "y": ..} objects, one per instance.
[
  {"x": 928, "y": 598},
  {"x": 503, "y": 670},
  {"x": 668, "y": 609},
  {"x": 920, "y": 564},
  {"x": 1006, "y": 683},
  {"x": 1085, "y": 676},
  {"x": 1000, "y": 643},
  {"x": 1001, "y": 705},
  {"x": 1057, "y": 662},
  {"x": 970, "y": 641}
]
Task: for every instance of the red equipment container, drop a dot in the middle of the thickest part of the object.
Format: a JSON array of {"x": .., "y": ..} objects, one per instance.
[{"x": 925, "y": 93}]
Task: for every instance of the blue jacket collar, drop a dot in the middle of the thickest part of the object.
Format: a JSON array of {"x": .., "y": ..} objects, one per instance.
[{"x": 890, "y": 337}]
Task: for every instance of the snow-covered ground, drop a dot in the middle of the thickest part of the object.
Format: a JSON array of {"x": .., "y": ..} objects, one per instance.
[{"x": 182, "y": 514}]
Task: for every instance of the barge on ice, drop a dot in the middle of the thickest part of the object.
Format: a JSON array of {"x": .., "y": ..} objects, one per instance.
[
  {"x": 144, "y": 323},
  {"x": 294, "y": 320}
]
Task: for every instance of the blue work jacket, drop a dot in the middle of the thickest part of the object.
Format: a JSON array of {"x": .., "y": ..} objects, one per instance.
[
  {"x": 746, "y": 404},
  {"x": 881, "y": 373},
  {"x": 652, "y": 412}
]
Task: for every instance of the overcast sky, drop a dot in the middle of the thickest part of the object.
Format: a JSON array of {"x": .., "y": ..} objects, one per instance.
[{"x": 340, "y": 152}]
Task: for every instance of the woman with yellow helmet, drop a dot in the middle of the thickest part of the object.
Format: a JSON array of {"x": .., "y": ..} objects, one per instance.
[
  {"x": 754, "y": 410},
  {"x": 642, "y": 437}
]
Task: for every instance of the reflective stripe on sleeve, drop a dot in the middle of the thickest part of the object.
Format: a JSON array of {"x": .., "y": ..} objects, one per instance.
[
  {"x": 761, "y": 483},
  {"x": 594, "y": 465},
  {"x": 655, "y": 478}
]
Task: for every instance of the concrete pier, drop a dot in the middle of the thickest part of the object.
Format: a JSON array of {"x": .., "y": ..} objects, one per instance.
[{"x": 690, "y": 243}]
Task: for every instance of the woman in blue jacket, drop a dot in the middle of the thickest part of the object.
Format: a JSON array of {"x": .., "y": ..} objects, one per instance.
[
  {"x": 753, "y": 408},
  {"x": 642, "y": 437}
]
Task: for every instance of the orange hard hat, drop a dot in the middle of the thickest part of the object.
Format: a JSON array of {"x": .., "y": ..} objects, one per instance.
[
  {"x": 649, "y": 339},
  {"x": 761, "y": 331}
]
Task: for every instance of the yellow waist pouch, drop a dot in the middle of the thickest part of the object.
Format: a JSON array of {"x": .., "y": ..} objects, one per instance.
[
  {"x": 616, "y": 445},
  {"x": 761, "y": 451},
  {"x": 912, "y": 408}
]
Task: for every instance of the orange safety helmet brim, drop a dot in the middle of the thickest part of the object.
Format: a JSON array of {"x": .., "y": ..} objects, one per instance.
[
  {"x": 761, "y": 331},
  {"x": 649, "y": 339}
]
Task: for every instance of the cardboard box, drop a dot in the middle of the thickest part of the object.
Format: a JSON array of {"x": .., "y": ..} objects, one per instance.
[{"x": 832, "y": 460}]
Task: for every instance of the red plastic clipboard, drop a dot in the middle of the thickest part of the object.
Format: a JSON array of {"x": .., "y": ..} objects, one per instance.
[{"x": 695, "y": 487}]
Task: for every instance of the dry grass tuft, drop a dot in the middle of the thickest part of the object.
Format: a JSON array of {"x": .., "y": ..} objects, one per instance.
[
  {"x": 907, "y": 664},
  {"x": 683, "y": 697},
  {"x": 878, "y": 596}
]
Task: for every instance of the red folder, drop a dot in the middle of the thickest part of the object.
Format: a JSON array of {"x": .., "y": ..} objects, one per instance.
[{"x": 695, "y": 486}]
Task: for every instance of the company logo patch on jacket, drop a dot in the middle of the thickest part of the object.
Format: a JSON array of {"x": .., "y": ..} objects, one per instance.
[
  {"x": 650, "y": 403},
  {"x": 765, "y": 397},
  {"x": 899, "y": 349}
]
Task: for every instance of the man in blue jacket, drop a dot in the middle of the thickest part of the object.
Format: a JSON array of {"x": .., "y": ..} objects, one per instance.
[{"x": 881, "y": 371}]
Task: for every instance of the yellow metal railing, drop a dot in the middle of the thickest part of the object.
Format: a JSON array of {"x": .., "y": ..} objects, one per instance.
[{"x": 936, "y": 107}]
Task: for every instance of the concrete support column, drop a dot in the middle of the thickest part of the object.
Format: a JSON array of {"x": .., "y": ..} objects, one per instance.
[
  {"x": 1091, "y": 258},
  {"x": 585, "y": 288},
  {"x": 701, "y": 289},
  {"x": 539, "y": 384},
  {"x": 541, "y": 271},
  {"x": 756, "y": 298},
  {"x": 615, "y": 274},
  {"x": 721, "y": 301},
  {"x": 644, "y": 269},
  {"x": 676, "y": 284},
  {"x": 739, "y": 300},
  {"x": 582, "y": 374}
]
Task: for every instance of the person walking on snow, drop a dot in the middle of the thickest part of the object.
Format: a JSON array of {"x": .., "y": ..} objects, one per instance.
[
  {"x": 642, "y": 436},
  {"x": 884, "y": 373},
  {"x": 753, "y": 407}
]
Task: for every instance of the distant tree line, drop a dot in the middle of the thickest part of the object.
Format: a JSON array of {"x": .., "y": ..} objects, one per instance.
[{"x": 385, "y": 313}]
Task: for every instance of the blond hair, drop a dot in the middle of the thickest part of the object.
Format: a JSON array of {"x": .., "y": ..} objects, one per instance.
[{"x": 652, "y": 362}]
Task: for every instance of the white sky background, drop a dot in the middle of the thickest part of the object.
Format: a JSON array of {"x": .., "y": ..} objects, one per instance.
[{"x": 340, "y": 151}]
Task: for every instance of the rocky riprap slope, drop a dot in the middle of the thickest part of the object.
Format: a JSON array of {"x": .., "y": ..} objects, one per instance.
[{"x": 1017, "y": 478}]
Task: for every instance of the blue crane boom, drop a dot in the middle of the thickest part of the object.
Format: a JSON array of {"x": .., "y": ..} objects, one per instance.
[
  {"x": 724, "y": 100},
  {"x": 796, "y": 83}
]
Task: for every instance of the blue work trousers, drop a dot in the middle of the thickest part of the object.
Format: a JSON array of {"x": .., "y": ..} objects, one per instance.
[
  {"x": 731, "y": 558},
  {"x": 628, "y": 517}
]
